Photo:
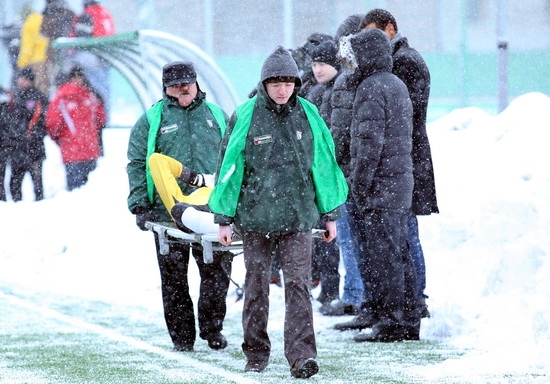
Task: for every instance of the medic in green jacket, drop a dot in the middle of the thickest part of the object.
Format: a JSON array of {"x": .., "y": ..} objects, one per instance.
[
  {"x": 190, "y": 135},
  {"x": 262, "y": 142}
]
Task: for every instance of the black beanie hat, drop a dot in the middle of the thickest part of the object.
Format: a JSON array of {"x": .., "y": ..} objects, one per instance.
[
  {"x": 26, "y": 73},
  {"x": 77, "y": 71},
  {"x": 326, "y": 53},
  {"x": 178, "y": 72},
  {"x": 280, "y": 64}
]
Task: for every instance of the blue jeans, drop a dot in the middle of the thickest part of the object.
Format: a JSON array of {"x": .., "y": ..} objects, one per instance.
[
  {"x": 417, "y": 255},
  {"x": 353, "y": 285}
]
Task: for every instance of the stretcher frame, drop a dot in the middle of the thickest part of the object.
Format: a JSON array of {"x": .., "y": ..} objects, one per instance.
[{"x": 168, "y": 234}]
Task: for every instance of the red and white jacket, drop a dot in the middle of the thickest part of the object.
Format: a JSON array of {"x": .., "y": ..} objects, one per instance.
[
  {"x": 95, "y": 21},
  {"x": 74, "y": 119}
]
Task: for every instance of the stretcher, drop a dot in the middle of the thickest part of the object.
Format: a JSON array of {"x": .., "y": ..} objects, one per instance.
[{"x": 168, "y": 233}]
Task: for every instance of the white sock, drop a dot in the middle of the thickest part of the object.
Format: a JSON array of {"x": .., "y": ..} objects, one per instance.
[{"x": 199, "y": 221}]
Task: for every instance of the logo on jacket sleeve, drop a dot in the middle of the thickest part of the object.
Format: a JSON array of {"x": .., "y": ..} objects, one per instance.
[
  {"x": 298, "y": 135},
  {"x": 264, "y": 139}
]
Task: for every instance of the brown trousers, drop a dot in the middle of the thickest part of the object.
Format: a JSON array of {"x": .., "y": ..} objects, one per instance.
[{"x": 294, "y": 251}]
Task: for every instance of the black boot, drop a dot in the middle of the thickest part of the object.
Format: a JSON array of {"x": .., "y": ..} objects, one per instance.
[
  {"x": 176, "y": 212},
  {"x": 364, "y": 319}
]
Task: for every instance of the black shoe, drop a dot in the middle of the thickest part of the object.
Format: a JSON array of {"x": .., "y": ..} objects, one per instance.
[
  {"x": 423, "y": 308},
  {"x": 255, "y": 366},
  {"x": 388, "y": 335},
  {"x": 183, "y": 347},
  {"x": 361, "y": 321},
  {"x": 216, "y": 341},
  {"x": 176, "y": 212},
  {"x": 302, "y": 369},
  {"x": 338, "y": 308},
  {"x": 378, "y": 337}
]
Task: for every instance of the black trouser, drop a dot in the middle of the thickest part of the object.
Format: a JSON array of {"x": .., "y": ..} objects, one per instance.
[
  {"x": 178, "y": 306},
  {"x": 77, "y": 173},
  {"x": 327, "y": 258},
  {"x": 17, "y": 176},
  {"x": 385, "y": 263}
]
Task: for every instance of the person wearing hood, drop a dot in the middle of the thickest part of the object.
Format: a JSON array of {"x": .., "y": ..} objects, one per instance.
[
  {"x": 343, "y": 93},
  {"x": 381, "y": 183},
  {"x": 411, "y": 68},
  {"x": 74, "y": 119},
  {"x": 277, "y": 178},
  {"x": 185, "y": 127}
]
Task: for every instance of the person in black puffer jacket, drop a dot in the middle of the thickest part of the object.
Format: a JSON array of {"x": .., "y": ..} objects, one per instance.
[
  {"x": 411, "y": 68},
  {"x": 340, "y": 122},
  {"x": 381, "y": 184}
]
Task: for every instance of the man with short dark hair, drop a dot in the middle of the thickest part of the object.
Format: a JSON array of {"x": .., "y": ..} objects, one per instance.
[
  {"x": 184, "y": 126},
  {"x": 411, "y": 68}
]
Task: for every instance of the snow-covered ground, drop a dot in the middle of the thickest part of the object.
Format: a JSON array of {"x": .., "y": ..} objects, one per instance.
[{"x": 487, "y": 252}]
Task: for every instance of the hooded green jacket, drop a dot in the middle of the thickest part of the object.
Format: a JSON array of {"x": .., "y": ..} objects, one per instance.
[{"x": 279, "y": 171}]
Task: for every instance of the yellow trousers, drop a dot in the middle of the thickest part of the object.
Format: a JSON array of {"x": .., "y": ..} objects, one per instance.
[{"x": 164, "y": 171}]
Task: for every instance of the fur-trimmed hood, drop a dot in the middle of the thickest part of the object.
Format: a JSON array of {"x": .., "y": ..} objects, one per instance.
[{"x": 369, "y": 51}]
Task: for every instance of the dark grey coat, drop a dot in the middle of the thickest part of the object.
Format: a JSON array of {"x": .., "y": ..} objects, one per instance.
[
  {"x": 411, "y": 68},
  {"x": 381, "y": 164}
]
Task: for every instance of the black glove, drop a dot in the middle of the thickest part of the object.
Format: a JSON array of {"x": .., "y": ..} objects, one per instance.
[
  {"x": 142, "y": 217},
  {"x": 192, "y": 178}
]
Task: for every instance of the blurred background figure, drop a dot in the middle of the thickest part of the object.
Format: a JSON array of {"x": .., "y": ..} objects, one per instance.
[
  {"x": 74, "y": 120},
  {"x": 31, "y": 105},
  {"x": 94, "y": 21},
  {"x": 23, "y": 130},
  {"x": 34, "y": 50},
  {"x": 58, "y": 19}
]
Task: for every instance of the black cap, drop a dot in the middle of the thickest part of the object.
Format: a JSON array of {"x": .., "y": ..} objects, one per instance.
[
  {"x": 26, "y": 73},
  {"x": 178, "y": 72}
]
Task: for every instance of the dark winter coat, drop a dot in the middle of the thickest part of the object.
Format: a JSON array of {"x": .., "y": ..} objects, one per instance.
[
  {"x": 23, "y": 126},
  {"x": 343, "y": 94},
  {"x": 58, "y": 20},
  {"x": 381, "y": 164},
  {"x": 411, "y": 68},
  {"x": 33, "y": 105},
  {"x": 190, "y": 135},
  {"x": 320, "y": 95}
]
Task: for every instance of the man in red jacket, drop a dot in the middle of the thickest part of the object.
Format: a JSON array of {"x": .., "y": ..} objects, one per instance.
[
  {"x": 94, "y": 21},
  {"x": 74, "y": 120}
]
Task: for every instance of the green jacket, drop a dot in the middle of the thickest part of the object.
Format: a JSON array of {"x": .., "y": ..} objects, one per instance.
[
  {"x": 279, "y": 171},
  {"x": 191, "y": 135}
]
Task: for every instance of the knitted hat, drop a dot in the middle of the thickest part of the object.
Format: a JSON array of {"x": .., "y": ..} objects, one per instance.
[
  {"x": 178, "y": 72},
  {"x": 26, "y": 73},
  {"x": 77, "y": 71},
  {"x": 326, "y": 53},
  {"x": 280, "y": 64}
]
